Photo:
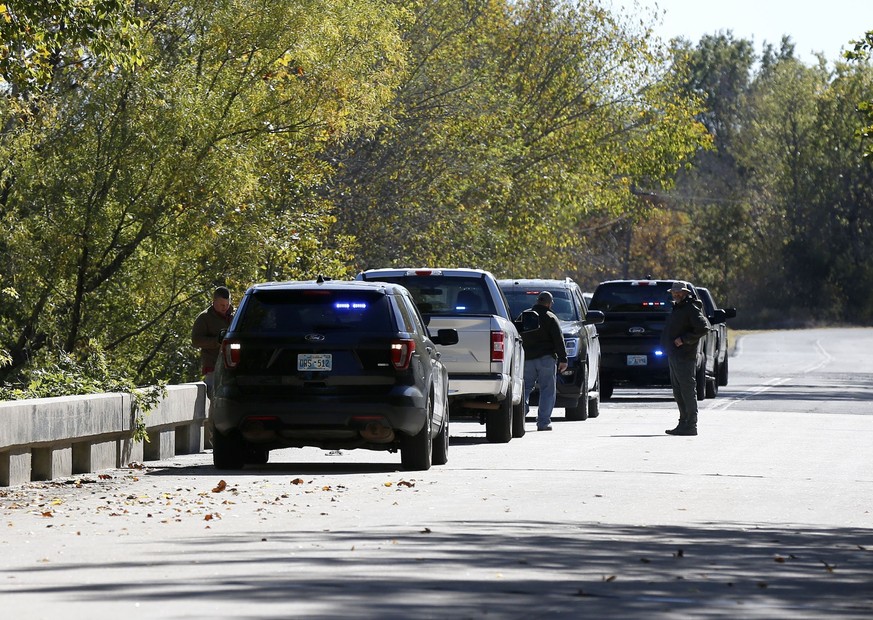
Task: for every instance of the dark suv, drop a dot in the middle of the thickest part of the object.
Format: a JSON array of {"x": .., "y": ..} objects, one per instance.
[
  {"x": 579, "y": 384},
  {"x": 335, "y": 365},
  {"x": 636, "y": 313},
  {"x": 721, "y": 344}
]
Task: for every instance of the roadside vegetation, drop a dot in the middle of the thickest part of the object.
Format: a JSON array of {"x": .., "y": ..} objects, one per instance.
[{"x": 152, "y": 150}]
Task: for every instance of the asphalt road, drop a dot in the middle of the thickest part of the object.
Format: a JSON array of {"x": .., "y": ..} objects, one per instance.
[{"x": 768, "y": 513}]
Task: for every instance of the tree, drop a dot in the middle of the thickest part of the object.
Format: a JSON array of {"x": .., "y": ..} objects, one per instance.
[
  {"x": 39, "y": 38},
  {"x": 861, "y": 52},
  {"x": 517, "y": 124},
  {"x": 130, "y": 192}
]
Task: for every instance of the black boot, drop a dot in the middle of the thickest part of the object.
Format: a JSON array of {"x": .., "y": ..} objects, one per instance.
[
  {"x": 684, "y": 431},
  {"x": 678, "y": 430}
]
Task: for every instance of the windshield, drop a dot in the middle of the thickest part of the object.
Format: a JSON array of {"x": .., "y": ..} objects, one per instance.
[
  {"x": 632, "y": 297},
  {"x": 272, "y": 311},
  {"x": 445, "y": 295},
  {"x": 523, "y": 299}
]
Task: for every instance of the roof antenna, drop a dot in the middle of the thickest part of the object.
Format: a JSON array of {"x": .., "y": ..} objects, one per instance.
[{"x": 321, "y": 279}]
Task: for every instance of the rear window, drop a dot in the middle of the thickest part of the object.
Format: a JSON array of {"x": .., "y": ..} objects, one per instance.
[
  {"x": 442, "y": 295},
  {"x": 275, "y": 311},
  {"x": 632, "y": 297},
  {"x": 522, "y": 299}
]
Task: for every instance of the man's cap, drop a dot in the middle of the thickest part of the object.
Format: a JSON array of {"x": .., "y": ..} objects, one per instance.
[
  {"x": 545, "y": 296},
  {"x": 679, "y": 285}
]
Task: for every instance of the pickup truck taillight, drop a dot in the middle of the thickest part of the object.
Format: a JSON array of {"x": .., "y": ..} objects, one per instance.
[
  {"x": 230, "y": 350},
  {"x": 497, "y": 346},
  {"x": 401, "y": 353}
]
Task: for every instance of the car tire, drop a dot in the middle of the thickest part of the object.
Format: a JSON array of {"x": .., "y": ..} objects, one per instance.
[
  {"x": 723, "y": 372},
  {"x": 257, "y": 456},
  {"x": 498, "y": 422},
  {"x": 594, "y": 401},
  {"x": 712, "y": 387},
  {"x": 606, "y": 389},
  {"x": 440, "y": 454},
  {"x": 700, "y": 380},
  {"x": 580, "y": 411},
  {"x": 416, "y": 451},
  {"x": 518, "y": 420},
  {"x": 228, "y": 451}
]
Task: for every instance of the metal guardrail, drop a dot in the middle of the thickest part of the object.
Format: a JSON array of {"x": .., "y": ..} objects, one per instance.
[{"x": 47, "y": 438}]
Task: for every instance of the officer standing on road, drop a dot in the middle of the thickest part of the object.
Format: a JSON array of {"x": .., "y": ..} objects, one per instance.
[
  {"x": 685, "y": 326},
  {"x": 206, "y": 330},
  {"x": 544, "y": 356}
]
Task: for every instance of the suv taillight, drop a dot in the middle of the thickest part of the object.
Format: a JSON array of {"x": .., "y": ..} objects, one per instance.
[
  {"x": 401, "y": 353},
  {"x": 230, "y": 350},
  {"x": 497, "y": 346}
]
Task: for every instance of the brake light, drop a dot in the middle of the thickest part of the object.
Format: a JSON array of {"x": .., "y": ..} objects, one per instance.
[
  {"x": 497, "y": 346},
  {"x": 401, "y": 353},
  {"x": 230, "y": 350}
]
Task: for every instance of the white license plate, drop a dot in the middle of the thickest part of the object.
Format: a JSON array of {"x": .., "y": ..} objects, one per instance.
[
  {"x": 314, "y": 361},
  {"x": 637, "y": 360}
]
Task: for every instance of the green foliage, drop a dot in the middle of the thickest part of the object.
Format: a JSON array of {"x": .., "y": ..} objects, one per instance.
[
  {"x": 518, "y": 125},
  {"x": 861, "y": 53},
  {"x": 38, "y": 38},
  {"x": 782, "y": 206},
  {"x": 85, "y": 370},
  {"x": 130, "y": 193}
]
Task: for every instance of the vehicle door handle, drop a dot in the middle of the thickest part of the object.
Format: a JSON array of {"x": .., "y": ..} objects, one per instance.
[{"x": 429, "y": 350}]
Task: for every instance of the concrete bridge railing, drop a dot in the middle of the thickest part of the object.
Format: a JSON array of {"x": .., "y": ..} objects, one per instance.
[{"x": 48, "y": 438}]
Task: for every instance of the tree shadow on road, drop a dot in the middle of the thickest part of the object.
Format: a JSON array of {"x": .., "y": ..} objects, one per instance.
[{"x": 473, "y": 569}]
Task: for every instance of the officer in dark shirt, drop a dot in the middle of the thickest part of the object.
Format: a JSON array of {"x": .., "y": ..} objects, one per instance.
[
  {"x": 685, "y": 326},
  {"x": 544, "y": 356}
]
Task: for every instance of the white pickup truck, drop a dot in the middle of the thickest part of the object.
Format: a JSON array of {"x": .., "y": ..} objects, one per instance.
[{"x": 486, "y": 367}]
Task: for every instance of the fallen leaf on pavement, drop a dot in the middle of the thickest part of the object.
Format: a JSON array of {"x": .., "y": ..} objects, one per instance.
[{"x": 222, "y": 485}]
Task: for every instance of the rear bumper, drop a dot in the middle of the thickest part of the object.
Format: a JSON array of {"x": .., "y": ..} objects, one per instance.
[
  {"x": 317, "y": 420},
  {"x": 614, "y": 367},
  {"x": 494, "y": 387}
]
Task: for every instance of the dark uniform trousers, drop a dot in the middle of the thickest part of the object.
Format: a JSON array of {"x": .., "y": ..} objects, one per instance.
[{"x": 682, "y": 378}]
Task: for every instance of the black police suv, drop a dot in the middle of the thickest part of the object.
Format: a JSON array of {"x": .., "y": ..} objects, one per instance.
[{"x": 335, "y": 365}]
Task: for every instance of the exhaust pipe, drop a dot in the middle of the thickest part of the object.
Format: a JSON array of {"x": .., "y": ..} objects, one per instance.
[{"x": 375, "y": 432}]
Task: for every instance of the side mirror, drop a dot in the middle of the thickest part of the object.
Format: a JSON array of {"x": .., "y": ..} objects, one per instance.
[
  {"x": 446, "y": 337},
  {"x": 527, "y": 321},
  {"x": 594, "y": 317},
  {"x": 730, "y": 313}
]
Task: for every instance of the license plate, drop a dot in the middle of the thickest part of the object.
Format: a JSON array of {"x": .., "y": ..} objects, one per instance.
[
  {"x": 637, "y": 360},
  {"x": 315, "y": 361}
]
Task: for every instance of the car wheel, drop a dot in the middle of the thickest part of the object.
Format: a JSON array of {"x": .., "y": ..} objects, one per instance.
[
  {"x": 227, "y": 451},
  {"x": 498, "y": 422},
  {"x": 711, "y": 387},
  {"x": 723, "y": 372},
  {"x": 594, "y": 401},
  {"x": 416, "y": 451},
  {"x": 518, "y": 420},
  {"x": 257, "y": 456},
  {"x": 606, "y": 389},
  {"x": 441, "y": 443},
  {"x": 700, "y": 380},
  {"x": 580, "y": 411}
]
